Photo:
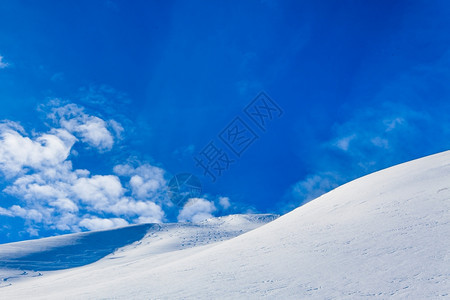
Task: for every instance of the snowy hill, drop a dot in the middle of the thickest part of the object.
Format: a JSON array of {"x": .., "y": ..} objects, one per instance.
[
  {"x": 31, "y": 258},
  {"x": 385, "y": 235}
]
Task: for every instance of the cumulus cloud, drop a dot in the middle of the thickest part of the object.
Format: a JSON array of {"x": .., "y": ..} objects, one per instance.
[
  {"x": 29, "y": 214},
  {"x": 146, "y": 181},
  {"x": 18, "y": 151},
  {"x": 5, "y": 212},
  {"x": 65, "y": 196},
  {"x": 90, "y": 129},
  {"x": 99, "y": 223},
  {"x": 196, "y": 210},
  {"x": 99, "y": 191},
  {"x": 3, "y": 64},
  {"x": 64, "y": 204},
  {"x": 54, "y": 195},
  {"x": 143, "y": 211}
]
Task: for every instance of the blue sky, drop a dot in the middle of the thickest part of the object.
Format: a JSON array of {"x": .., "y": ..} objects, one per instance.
[{"x": 104, "y": 101}]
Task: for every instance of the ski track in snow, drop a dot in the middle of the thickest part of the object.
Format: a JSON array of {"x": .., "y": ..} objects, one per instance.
[{"x": 385, "y": 235}]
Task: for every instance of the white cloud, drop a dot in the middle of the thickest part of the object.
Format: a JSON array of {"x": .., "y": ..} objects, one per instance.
[
  {"x": 146, "y": 181},
  {"x": 18, "y": 151},
  {"x": 315, "y": 185},
  {"x": 116, "y": 127},
  {"x": 95, "y": 133},
  {"x": 54, "y": 195},
  {"x": 149, "y": 219},
  {"x": 224, "y": 202},
  {"x": 380, "y": 142},
  {"x": 147, "y": 211},
  {"x": 5, "y": 212},
  {"x": 67, "y": 222},
  {"x": 343, "y": 143},
  {"x": 99, "y": 191},
  {"x": 144, "y": 187},
  {"x": 90, "y": 129},
  {"x": 371, "y": 136},
  {"x": 392, "y": 124},
  {"x": 64, "y": 204},
  {"x": 100, "y": 224},
  {"x": 3, "y": 64},
  {"x": 369, "y": 140},
  {"x": 62, "y": 196},
  {"x": 47, "y": 184},
  {"x": 29, "y": 214},
  {"x": 196, "y": 210}
]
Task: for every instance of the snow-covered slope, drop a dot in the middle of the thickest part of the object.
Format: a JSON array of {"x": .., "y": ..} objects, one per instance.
[
  {"x": 33, "y": 258},
  {"x": 384, "y": 235}
]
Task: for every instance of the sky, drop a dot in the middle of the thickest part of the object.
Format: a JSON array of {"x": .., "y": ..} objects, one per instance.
[{"x": 268, "y": 103}]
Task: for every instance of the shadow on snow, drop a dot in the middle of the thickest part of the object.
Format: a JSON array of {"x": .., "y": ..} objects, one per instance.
[{"x": 82, "y": 249}]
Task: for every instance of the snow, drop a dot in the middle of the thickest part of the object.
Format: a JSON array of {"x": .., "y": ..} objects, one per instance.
[
  {"x": 385, "y": 235},
  {"x": 30, "y": 258}
]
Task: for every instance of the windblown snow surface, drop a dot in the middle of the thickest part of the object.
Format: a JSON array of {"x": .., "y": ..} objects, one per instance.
[{"x": 385, "y": 235}]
